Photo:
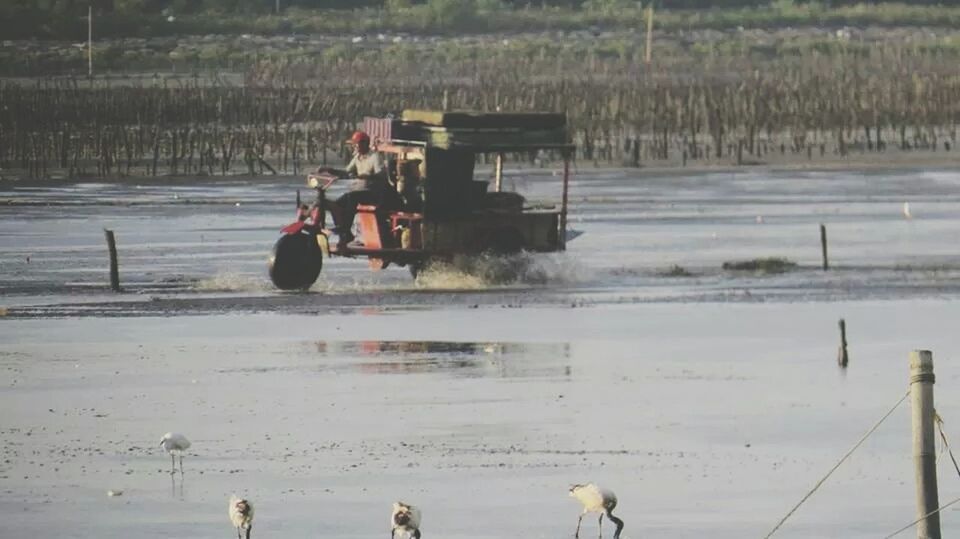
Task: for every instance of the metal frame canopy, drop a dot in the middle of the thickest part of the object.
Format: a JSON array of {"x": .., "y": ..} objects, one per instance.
[
  {"x": 477, "y": 132},
  {"x": 451, "y": 136}
]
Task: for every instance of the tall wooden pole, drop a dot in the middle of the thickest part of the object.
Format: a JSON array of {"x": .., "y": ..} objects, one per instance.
[
  {"x": 924, "y": 450},
  {"x": 498, "y": 173},
  {"x": 90, "y": 41}
]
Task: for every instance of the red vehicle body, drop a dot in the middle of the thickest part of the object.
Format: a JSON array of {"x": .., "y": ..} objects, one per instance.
[{"x": 430, "y": 157}]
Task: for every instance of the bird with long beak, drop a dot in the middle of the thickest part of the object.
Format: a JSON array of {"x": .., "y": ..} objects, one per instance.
[
  {"x": 404, "y": 521},
  {"x": 596, "y": 500},
  {"x": 175, "y": 444},
  {"x": 241, "y": 515}
]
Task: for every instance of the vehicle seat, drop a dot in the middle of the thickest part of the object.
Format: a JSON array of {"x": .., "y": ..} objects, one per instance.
[{"x": 373, "y": 229}]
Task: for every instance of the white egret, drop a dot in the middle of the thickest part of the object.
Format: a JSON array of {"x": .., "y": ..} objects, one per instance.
[
  {"x": 596, "y": 500},
  {"x": 175, "y": 444}
]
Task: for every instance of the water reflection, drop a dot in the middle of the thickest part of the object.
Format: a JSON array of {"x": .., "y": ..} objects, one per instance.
[
  {"x": 462, "y": 359},
  {"x": 175, "y": 492}
]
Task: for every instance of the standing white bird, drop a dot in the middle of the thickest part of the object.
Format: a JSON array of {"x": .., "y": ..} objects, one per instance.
[
  {"x": 906, "y": 210},
  {"x": 596, "y": 500},
  {"x": 241, "y": 514},
  {"x": 175, "y": 444},
  {"x": 405, "y": 520}
]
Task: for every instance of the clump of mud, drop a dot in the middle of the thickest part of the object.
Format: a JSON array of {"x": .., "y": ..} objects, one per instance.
[
  {"x": 483, "y": 271},
  {"x": 761, "y": 265},
  {"x": 675, "y": 271}
]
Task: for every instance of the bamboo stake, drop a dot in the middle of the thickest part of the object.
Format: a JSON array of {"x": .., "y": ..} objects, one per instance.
[
  {"x": 823, "y": 246},
  {"x": 842, "y": 357},
  {"x": 114, "y": 267}
]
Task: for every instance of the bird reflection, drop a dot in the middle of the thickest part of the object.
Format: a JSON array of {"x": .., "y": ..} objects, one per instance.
[{"x": 176, "y": 488}]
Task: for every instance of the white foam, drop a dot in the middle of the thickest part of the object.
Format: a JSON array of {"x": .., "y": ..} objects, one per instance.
[
  {"x": 485, "y": 271},
  {"x": 233, "y": 282}
]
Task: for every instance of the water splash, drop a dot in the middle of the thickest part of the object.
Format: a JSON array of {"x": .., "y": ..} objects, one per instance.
[
  {"x": 485, "y": 271},
  {"x": 233, "y": 282}
]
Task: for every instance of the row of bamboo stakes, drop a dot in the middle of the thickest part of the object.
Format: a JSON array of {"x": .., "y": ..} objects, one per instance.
[{"x": 617, "y": 117}]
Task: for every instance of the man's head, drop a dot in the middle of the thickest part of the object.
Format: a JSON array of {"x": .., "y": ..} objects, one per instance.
[{"x": 360, "y": 141}]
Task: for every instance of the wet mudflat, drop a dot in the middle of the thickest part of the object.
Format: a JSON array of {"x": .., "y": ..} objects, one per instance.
[{"x": 711, "y": 402}]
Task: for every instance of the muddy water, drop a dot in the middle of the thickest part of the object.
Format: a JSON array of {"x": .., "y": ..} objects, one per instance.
[
  {"x": 710, "y": 403},
  {"x": 185, "y": 247}
]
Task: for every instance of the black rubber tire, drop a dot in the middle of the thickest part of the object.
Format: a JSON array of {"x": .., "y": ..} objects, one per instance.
[{"x": 295, "y": 262}]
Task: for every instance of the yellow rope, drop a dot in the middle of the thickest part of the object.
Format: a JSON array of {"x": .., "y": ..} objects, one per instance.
[{"x": 837, "y": 465}]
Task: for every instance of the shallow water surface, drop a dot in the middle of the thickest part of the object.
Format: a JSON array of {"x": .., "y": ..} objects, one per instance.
[{"x": 711, "y": 402}]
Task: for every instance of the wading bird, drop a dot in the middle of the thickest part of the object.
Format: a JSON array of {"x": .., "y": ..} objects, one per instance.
[
  {"x": 404, "y": 521},
  {"x": 175, "y": 444},
  {"x": 906, "y": 211},
  {"x": 596, "y": 500},
  {"x": 241, "y": 514}
]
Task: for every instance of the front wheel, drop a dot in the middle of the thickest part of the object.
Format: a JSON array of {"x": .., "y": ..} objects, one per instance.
[{"x": 295, "y": 262}]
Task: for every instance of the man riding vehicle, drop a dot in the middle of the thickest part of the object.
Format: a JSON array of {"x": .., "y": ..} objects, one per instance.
[{"x": 370, "y": 186}]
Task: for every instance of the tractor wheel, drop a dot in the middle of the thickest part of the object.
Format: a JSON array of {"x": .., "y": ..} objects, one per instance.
[{"x": 295, "y": 262}]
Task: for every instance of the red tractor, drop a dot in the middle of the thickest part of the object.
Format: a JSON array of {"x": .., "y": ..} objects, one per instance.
[{"x": 445, "y": 212}]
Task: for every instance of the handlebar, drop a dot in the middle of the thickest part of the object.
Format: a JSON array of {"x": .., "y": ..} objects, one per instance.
[{"x": 321, "y": 180}]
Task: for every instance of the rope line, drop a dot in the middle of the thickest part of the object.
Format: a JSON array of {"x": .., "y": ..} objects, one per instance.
[
  {"x": 837, "y": 465},
  {"x": 914, "y": 523},
  {"x": 946, "y": 444}
]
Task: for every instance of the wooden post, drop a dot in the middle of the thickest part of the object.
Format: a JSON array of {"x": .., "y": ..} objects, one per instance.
[
  {"x": 498, "y": 173},
  {"x": 649, "y": 48},
  {"x": 823, "y": 246},
  {"x": 563, "y": 203},
  {"x": 842, "y": 357},
  {"x": 446, "y": 100},
  {"x": 924, "y": 450},
  {"x": 90, "y": 41},
  {"x": 114, "y": 268}
]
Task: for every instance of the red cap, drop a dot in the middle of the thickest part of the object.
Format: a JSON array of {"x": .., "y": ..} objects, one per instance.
[{"x": 359, "y": 137}]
